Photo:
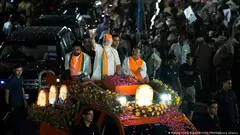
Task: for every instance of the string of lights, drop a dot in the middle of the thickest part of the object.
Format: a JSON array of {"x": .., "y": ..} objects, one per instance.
[{"x": 156, "y": 13}]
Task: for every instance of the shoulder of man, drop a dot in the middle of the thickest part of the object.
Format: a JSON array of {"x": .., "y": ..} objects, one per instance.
[{"x": 86, "y": 55}]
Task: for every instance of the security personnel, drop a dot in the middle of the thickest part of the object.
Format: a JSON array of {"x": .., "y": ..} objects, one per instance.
[
  {"x": 210, "y": 122},
  {"x": 15, "y": 98},
  {"x": 78, "y": 63}
]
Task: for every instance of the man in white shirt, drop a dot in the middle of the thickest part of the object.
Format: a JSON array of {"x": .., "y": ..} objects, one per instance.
[
  {"x": 153, "y": 61},
  {"x": 180, "y": 50},
  {"x": 135, "y": 66},
  {"x": 78, "y": 63},
  {"x": 106, "y": 60}
]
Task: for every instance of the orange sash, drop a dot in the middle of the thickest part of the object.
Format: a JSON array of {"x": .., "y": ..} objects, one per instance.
[
  {"x": 76, "y": 67},
  {"x": 134, "y": 66},
  {"x": 105, "y": 64}
]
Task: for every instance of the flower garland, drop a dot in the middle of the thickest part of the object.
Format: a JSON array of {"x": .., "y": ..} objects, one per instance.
[
  {"x": 63, "y": 116},
  {"x": 93, "y": 94},
  {"x": 174, "y": 120},
  {"x": 156, "y": 109},
  {"x": 58, "y": 116},
  {"x": 145, "y": 111},
  {"x": 162, "y": 88},
  {"x": 123, "y": 80}
]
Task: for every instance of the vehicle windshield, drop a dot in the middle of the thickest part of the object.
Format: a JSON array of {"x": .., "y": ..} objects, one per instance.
[
  {"x": 147, "y": 129},
  {"x": 28, "y": 52}
]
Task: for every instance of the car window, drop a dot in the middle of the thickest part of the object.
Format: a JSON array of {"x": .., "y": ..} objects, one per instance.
[
  {"x": 109, "y": 126},
  {"x": 29, "y": 52}
]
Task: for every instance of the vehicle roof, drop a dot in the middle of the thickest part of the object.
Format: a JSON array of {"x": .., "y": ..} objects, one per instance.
[
  {"x": 57, "y": 20},
  {"x": 37, "y": 35}
]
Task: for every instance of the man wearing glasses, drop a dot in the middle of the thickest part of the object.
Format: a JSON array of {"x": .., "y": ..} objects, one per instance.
[{"x": 210, "y": 122}]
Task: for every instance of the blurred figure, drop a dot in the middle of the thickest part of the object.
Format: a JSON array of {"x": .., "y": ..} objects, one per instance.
[
  {"x": 180, "y": 50},
  {"x": 210, "y": 122},
  {"x": 26, "y": 7},
  {"x": 119, "y": 47},
  {"x": 86, "y": 126},
  {"x": 87, "y": 46},
  {"x": 169, "y": 74},
  {"x": 228, "y": 108},
  {"x": 187, "y": 75},
  {"x": 104, "y": 26},
  {"x": 135, "y": 66},
  {"x": 152, "y": 60},
  {"x": 8, "y": 27}
]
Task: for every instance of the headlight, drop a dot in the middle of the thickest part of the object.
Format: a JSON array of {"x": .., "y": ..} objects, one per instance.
[
  {"x": 2, "y": 82},
  {"x": 144, "y": 95},
  {"x": 165, "y": 97},
  {"x": 58, "y": 80},
  {"x": 122, "y": 100}
]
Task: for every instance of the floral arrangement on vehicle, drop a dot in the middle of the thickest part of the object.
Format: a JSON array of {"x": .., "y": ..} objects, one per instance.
[
  {"x": 93, "y": 94},
  {"x": 63, "y": 114},
  {"x": 143, "y": 106},
  {"x": 58, "y": 116},
  {"x": 123, "y": 80}
]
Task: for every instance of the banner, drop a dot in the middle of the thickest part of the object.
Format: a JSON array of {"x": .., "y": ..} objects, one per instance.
[{"x": 189, "y": 14}]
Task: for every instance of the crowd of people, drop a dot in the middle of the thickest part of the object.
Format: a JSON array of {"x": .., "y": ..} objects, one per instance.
[{"x": 193, "y": 58}]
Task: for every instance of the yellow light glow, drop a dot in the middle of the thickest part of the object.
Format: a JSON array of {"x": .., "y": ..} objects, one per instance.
[
  {"x": 52, "y": 94},
  {"x": 63, "y": 94},
  {"x": 42, "y": 98},
  {"x": 144, "y": 95}
]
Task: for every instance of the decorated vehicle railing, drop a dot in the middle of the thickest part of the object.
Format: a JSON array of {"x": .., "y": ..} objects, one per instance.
[{"x": 153, "y": 103}]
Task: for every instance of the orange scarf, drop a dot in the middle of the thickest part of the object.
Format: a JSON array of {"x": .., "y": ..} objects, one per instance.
[
  {"x": 104, "y": 64},
  {"x": 76, "y": 67},
  {"x": 134, "y": 66}
]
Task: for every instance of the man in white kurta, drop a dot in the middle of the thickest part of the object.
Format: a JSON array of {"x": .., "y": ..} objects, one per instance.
[
  {"x": 113, "y": 61},
  {"x": 78, "y": 66},
  {"x": 135, "y": 66},
  {"x": 180, "y": 50}
]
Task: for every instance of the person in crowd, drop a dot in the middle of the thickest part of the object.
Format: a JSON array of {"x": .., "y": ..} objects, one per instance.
[
  {"x": 7, "y": 27},
  {"x": 187, "y": 75},
  {"x": 153, "y": 61},
  {"x": 5, "y": 9},
  {"x": 87, "y": 47},
  {"x": 78, "y": 63},
  {"x": 106, "y": 60},
  {"x": 204, "y": 54},
  {"x": 105, "y": 25},
  {"x": 119, "y": 47},
  {"x": 180, "y": 50},
  {"x": 169, "y": 74},
  {"x": 115, "y": 17},
  {"x": 210, "y": 122},
  {"x": 228, "y": 109},
  {"x": 135, "y": 66},
  {"x": 86, "y": 126},
  {"x": 27, "y": 8},
  {"x": 15, "y": 98}
]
